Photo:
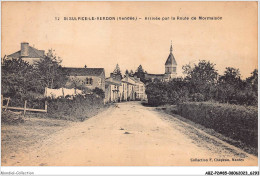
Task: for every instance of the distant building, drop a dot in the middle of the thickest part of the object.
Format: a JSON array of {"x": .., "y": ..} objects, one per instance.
[
  {"x": 112, "y": 93},
  {"x": 139, "y": 89},
  {"x": 85, "y": 77},
  {"x": 129, "y": 88},
  {"x": 28, "y": 54},
  {"x": 170, "y": 70},
  {"x": 126, "y": 89}
]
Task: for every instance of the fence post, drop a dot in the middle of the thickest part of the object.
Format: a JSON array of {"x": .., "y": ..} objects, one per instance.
[
  {"x": 45, "y": 106},
  {"x": 24, "y": 111},
  {"x": 8, "y": 99}
]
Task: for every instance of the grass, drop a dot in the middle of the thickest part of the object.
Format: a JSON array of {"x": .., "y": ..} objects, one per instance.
[
  {"x": 17, "y": 137},
  {"x": 173, "y": 110}
]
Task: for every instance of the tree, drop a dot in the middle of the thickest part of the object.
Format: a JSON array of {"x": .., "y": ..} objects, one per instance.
[
  {"x": 202, "y": 78},
  {"x": 49, "y": 71},
  {"x": 131, "y": 73},
  {"x": 253, "y": 81},
  {"x": 126, "y": 72},
  {"x": 117, "y": 73},
  {"x": 99, "y": 92},
  {"x": 231, "y": 75},
  {"x": 18, "y": 78},
  {"x": 140, "y": 73},
  {"x": 227, "y": 83}
]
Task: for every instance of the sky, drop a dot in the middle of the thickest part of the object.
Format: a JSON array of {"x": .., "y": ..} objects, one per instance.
[{"x": 230, "y": 42}]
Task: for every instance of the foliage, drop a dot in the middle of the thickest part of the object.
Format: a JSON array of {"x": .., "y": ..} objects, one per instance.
[
  {"x": 131, "y": 73},
  {"x": 202, "y": 78},
  {"x": 237, "y": 122},
  {"x": 21, "y": 80},
  {"x": 231, "y": 89},
  {"x": 75, "y": 108},
  {"x": 49, "y": 71},
  {"x": 172, "y": 92},
  {"x": 117, "y": 73},
  {"x": 18, "y": 79},
  {"x": 203, "y": 83},
  {"x": 140, "y": 73},
  {"x": 99, "y": 92}
]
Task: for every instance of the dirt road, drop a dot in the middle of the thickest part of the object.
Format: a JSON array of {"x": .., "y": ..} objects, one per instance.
[{"x": 131, "y": 135}]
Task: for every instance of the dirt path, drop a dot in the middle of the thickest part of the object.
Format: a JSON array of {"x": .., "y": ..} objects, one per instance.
[{"x": 131, "y": 135}]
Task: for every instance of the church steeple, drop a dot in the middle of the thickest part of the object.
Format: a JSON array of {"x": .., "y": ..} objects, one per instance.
[
  {"x": 171, "y": 65},
  {"x": 171, "y": 47}
]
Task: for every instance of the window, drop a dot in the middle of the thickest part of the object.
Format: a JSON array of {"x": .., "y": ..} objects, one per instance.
[
  {"x": 174, "y": 69},
  {"x": 99, "y": 81},
  {"x": 89, "y": 81}
]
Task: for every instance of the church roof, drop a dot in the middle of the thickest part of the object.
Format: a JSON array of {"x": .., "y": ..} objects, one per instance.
[{"x": 171, "y": 60}]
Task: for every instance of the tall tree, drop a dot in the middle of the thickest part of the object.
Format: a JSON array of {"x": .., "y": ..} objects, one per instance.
[
  {"x": 253, "y": 81},
  {"x": 117, "y": 73},
  {"x": 126, "y": 72},
  {"x": 140, "y": 73},
  {"x": 131, "y": 73},
  {"x": 49, "y": 71},
  {"x": 202, "y": 78},
  {"x": 18, "y": 78}
]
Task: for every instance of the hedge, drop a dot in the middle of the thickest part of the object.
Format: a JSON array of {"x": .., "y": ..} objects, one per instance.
[
  {"x": 75, "y": 108},
  {"x": 234, "y": 121}
]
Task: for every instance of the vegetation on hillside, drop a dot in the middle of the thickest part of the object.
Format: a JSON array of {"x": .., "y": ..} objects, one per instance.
[{"x": 203, "y": 83}]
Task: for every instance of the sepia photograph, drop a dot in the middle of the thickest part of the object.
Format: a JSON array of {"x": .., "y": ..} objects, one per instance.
[{"x": 129, "y": 84}]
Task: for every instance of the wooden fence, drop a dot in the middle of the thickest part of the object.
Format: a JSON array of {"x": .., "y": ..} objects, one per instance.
[{"x": 24, "y": 109}]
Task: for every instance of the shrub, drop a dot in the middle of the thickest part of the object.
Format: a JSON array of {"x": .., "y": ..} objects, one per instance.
[
  {"x": 234, "y": 121},
  {"x": 197, "y": 97},
  {"x": 75, "y": 108}
]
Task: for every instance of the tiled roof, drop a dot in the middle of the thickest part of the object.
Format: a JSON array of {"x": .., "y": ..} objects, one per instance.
[
  {"x": 83, "y": 71},
  {"x": 32, "y": 53},
  {"x": 136, "y": 80},
  {"x": 171, "y": 60},
  {"x": 112, "y": 81}
]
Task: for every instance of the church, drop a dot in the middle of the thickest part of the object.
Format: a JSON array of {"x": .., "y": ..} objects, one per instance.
[{"x": 170, "y": 70}]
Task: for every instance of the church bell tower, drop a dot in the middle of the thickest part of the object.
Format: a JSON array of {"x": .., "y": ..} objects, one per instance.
[{"x": 170, "y": 66}]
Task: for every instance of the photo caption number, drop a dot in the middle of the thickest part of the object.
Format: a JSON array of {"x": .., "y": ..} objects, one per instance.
[
  {"x": 57, "y": 18},
  {"x": 231, "y": 173}
]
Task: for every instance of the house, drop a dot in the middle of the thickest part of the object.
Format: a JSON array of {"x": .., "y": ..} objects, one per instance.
[
  {"x": 126, "y": 89},
  {"x": 85, "y": 77},
  {"x": 139, "y": 89},
  {"x": 112, "y": 93},
  {"x": 130, "y": 83},
  {"x": 170, "y": 70},
  {"x": 28, "y": 54}
]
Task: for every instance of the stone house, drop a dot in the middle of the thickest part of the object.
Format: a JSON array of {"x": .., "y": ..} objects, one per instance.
[
  {"x": 112, "y": 93},
  {"x": 28, "y": 54},
  {"x": 139, "y": 89},
  {"x": 130, "y": 83},
  {"x": 85, "y": 77}
]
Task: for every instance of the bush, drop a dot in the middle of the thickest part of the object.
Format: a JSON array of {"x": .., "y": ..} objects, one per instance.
[
  {"x": 234, "y": 121},
  {"x": 75, "y": 108},
  {"x": 99, "y": 92},
  {"x": 161, "y": 93},
  {"x": 197, "y": 97}
]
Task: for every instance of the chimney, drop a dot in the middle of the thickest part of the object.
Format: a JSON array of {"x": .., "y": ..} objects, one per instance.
[{"x": 24, "y": 49}]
